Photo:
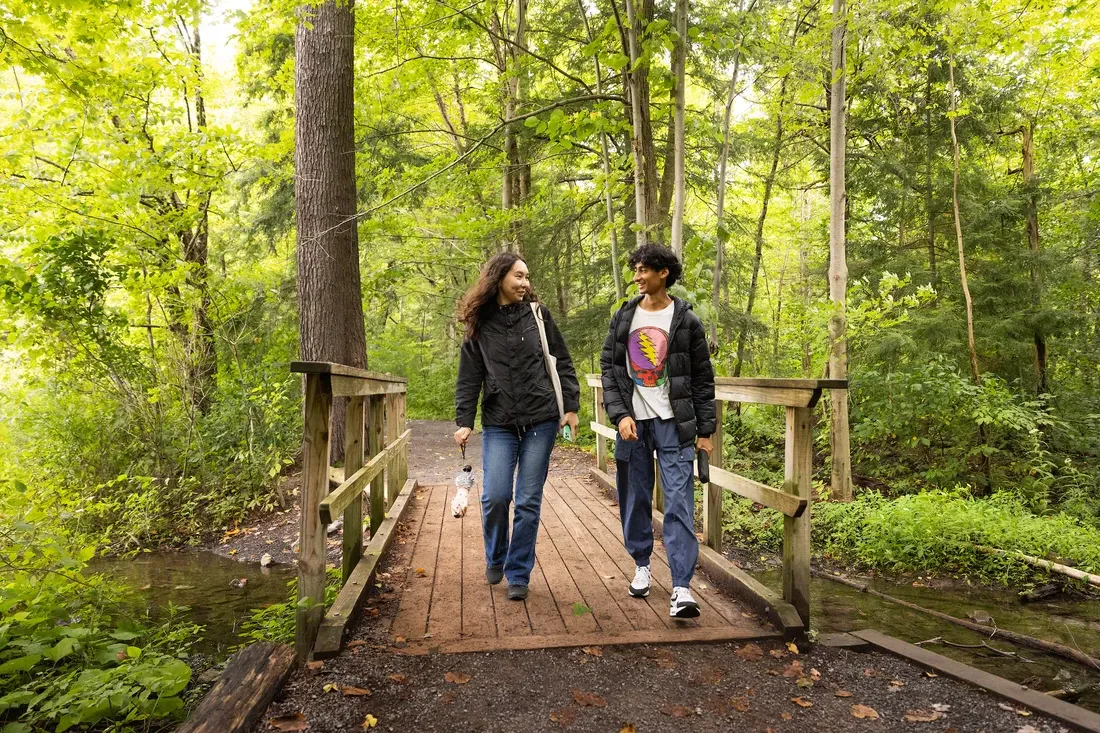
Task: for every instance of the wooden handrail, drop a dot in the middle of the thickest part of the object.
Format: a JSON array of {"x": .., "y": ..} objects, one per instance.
[
  {"x": 342, "y": 370},
  {"x": 799, "y": 397},
  {"x": 345, "y": 493}
]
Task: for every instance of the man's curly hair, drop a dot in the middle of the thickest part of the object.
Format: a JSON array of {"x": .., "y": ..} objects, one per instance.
[{"x": 657, "y": 258}]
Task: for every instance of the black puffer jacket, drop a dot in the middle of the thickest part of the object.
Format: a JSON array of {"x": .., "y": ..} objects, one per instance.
[
  {"x": 517, "y": 389},
  {"x": 690, "y": 373}
]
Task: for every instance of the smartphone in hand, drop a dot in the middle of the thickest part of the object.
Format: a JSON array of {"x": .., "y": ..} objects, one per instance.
[
  {"x": 567, "y": 433},
  {"x": 704, "y": 466}
]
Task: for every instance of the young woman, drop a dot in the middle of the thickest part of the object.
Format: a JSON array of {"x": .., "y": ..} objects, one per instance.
[{"x": 502, "y": 358}]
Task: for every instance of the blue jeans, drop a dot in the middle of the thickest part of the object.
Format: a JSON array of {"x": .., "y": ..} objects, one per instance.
[
  {"x": 634, "y": 481},
  {"x": 502, "y": 449}
]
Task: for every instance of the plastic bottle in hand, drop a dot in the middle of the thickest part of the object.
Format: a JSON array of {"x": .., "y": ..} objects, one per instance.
[{"x": 464, "y": 481}]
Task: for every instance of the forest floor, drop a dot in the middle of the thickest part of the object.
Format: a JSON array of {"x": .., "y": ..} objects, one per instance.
[{"x": 697, "y": 687}]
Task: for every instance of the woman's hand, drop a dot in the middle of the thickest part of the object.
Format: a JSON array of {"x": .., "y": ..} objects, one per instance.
[
  {"x": 571, "y": 420},
  {"x": 462, "y": 435}
]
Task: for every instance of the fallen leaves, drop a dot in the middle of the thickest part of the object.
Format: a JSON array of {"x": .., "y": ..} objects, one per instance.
[
  {"x": 589, "y": 699},
  {"x": 802, "y": 702},
  {"x": 297, "y": 721},
  {"x": 370, "y": 721},
  {"x": 315, "y": 666},
  {"x": 353, "y": 691},
  {"x": 794, "y": 669},
  {"x": 864, "y": 712},
  {"x": 579, "y": 609},
  {"x": 741, "y": 704},
  {"x": 563, "y": 717},
  {"x": 1019, "y": 711},
  {"x": 792, "y": 648},
  {"x": 421, "y": 572},
  {"x": 786, "y": 716},
  {"x": 628, "y": 728},
  {"x": 777, "y": 653},
  {"x": 592, "y": 651},
  {"x": 399, "y": 678},
  {"x": 922, "y": 716},
  {"x": 356, "y": 643},
  {"x": 676, "y": 711},
  {"x": 457, "y": 678},
  {"x": 842, "y": 693},
  {"x": 750, "y": 653}
]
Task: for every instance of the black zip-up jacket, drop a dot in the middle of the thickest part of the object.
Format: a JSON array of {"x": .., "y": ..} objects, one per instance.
[
  {"x": 506, "y": 363},
  {"x": 690, "y": 373}
]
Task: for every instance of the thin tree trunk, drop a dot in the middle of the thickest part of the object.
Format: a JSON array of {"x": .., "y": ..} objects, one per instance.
[
  {"x": 804, "y": 277},
  {"x": 928, "y": 190},
  {"x": 636, "y": 135},
  {"x": 330, "y": 303},
  {"x": 959, "y": 236},
  {"x": 680, "y": 63},
  {"x": 721, "y": 235},
  {"x": 758, "y": 256},
  {"x": 1033, "y": 247},
  {"x": 839, "y": 439},
  {"x": 605, "y": 161}
]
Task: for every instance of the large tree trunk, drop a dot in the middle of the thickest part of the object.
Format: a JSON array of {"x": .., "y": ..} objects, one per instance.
[
  {"x": 330, "y": 306},
  {"x": 1032, "y": 221},
  {"x": 680, "y": 64},
  {"x": 839, "y": 440}
]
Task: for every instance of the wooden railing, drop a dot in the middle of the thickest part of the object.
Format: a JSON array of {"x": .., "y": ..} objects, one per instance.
[
  {"x": 799, "y": 396},
  {"x": 375, "y": 419}
]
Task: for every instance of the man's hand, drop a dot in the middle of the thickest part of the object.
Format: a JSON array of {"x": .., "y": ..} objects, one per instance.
[
  {"x": 705, "y": 444},
  {"x": 628, "y": 429},
  {"x": 462, "y": 435},
  {"x": 571, "y": 420}
]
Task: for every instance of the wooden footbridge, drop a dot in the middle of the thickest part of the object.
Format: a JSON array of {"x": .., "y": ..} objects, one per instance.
[{"x": 578, "y": 587}]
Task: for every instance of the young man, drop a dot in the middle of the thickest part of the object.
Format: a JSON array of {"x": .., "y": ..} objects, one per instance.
[{"x": 658, "y": 388}]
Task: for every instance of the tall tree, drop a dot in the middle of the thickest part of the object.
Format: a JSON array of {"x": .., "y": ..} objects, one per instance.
[
  {"x": 1031, "y": 219},
  {"x": 953, "y": 115},
  {"x": 839, "y": 440},
  {"x": 679, "y": 66},
  {"x": 330, "y": 307}
]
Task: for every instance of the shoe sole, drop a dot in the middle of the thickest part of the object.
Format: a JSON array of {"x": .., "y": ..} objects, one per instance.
[
  {"x": 639, "y": 593},
  {"x": 685, "y": 612}
]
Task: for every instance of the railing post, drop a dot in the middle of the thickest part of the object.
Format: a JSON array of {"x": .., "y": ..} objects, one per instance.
[
  {"x": 392, "y": 433},
  {"x": 402, "y": 460},
  {"x": 375, "y": 427},
  {"x": 311, "y": 541},
  {"x": 712, "y": 499},
  {"x": 796, "y": 531},
  {"x": 353, "y": 461},
  {"x": 601, "y": 418}
]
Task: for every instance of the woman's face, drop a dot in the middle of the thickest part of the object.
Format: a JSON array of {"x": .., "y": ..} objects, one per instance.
[{"x": 515, "y": 285}]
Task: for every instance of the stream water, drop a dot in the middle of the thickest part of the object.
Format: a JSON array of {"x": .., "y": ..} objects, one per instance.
[
  {"x": 1074, "y": 623},
  {"x": 205, "y": 583}
]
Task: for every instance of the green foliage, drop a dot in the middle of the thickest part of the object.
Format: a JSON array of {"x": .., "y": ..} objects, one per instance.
[
  {"x": 275, "y": 623},
  {"x": 934, "y": 531},
  {"x": 74, "y": 650}
]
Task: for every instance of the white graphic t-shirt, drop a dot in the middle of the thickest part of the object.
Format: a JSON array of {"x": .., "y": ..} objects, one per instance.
[{"x": 646, "y": 356}]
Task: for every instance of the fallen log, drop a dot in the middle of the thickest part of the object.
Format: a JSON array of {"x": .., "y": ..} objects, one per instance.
[
  {"x": 1016, "y": 638},
  {"x": 1038, "y": 562},
  {"x": 241, "y": 695}
]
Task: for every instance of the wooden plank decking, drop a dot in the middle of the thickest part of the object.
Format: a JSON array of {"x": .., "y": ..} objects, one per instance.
[{"x": 578, "y": 587}]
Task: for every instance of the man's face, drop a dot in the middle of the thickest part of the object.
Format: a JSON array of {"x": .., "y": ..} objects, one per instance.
[{"x": 649, "y": 281}]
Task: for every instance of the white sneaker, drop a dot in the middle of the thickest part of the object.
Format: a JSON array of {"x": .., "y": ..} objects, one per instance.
[
  {"x": 681, "y": 604},
  {"x": 639, "y": 587}
]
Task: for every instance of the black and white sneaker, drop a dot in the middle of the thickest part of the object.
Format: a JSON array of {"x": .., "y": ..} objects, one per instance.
[
  {"x": 681, "y": 604},
  {"x": 639, "y": 587}
]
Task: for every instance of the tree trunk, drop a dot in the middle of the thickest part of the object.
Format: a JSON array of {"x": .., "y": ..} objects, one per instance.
[
  {"x": 680, "y": 64},
  {"x": 769, "y": 182},
  {"x": 1033, "y": 246},
  {"x": 839, "y": 439},
  {"x": 928, "y": 191},
  {"x": 605, "y": 161},
  {"x": 330, "y": 303},
  {"x": 638, "y": 117},
  {"x": 721, "y": 235},
  {"x": 959, "y": 236}
]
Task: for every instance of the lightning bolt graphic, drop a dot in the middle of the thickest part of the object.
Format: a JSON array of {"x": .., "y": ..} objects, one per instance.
[{"x": 647, "y": 348}]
